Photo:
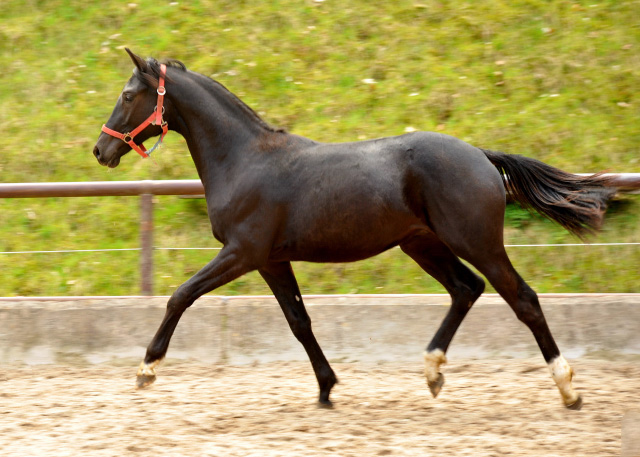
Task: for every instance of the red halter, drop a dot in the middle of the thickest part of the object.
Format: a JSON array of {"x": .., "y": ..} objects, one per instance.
[{"x": 154, "y": 119}]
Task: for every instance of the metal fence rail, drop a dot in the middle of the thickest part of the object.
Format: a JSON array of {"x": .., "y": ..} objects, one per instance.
[
  {"x": 106, "y": 188},
  {"x": 624, "y": 182}
]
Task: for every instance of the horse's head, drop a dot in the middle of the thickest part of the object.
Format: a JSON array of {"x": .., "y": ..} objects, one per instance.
[{"x": 134, "y": 118}]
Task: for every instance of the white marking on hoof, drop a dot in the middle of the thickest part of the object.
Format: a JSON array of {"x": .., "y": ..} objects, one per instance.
[
  {"x": 562, "y": 374},
  {"x": 432, "y": 362},
  {"x": 148, "y": 369}
]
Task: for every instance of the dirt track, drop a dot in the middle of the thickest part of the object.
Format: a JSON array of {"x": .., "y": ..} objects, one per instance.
[{"x": 486, "y": 408}]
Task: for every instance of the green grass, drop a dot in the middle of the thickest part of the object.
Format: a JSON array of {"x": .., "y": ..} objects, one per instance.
[{"x": 554, "y": 80}]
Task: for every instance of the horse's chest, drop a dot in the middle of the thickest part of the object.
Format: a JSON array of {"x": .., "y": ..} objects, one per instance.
[
  {"x": 219, "y": 211},
  {"x": 229, "y": 213}
]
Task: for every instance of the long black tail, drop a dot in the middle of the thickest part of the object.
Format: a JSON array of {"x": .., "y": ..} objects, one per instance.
[{"x": 578, "y": 203}]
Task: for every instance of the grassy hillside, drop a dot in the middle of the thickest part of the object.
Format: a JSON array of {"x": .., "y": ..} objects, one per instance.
[{"x": 554, "y": 80}]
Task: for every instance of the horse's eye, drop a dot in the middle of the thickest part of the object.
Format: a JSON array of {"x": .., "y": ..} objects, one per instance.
[{"x": 127, "y": 98}]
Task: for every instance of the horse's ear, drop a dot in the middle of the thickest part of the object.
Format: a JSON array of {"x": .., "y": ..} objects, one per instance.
[{"x": 138, "y": 61}]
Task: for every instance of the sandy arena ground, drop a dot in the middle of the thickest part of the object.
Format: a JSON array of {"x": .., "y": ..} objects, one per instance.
[{"x": 486, "y": 408}]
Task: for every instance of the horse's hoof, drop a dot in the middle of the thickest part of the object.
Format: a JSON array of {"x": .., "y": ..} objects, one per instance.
[
  {"x": 144, "y": 380},
  {"x": 325, "y": 404},
  {"x": 323, "y": 400},
  {"x": 325, "y": 391},
  {"x": 576, "y": 405},
  {"x": 436, "y": 386},
  {"x": 146, "y": 374}
]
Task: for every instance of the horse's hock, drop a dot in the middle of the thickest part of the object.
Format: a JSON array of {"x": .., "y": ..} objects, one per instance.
[{"x": 246, "y": 330}]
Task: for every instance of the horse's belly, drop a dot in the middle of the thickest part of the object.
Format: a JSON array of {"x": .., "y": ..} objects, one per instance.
[{"x": 345, "y": 238}]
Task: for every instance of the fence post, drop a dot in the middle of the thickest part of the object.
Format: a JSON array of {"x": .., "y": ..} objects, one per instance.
[{"x": 146, "y": 244}]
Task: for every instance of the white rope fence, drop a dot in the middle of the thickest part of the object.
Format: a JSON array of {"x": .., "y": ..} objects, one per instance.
[
  {"x": 567, "y": 244},
  {"x": 67, "y": 251}
]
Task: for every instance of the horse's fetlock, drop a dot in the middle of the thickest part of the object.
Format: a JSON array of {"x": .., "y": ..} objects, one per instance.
[{"x": 327, "y": 378}]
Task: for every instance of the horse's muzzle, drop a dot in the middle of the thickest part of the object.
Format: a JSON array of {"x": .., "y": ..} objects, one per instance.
[
  {"x": 101, "y": 159},
  {"x": 96, "y": 153}
]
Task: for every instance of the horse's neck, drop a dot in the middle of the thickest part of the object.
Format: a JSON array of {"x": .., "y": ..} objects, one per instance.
[{"x": 216, "y": 126}]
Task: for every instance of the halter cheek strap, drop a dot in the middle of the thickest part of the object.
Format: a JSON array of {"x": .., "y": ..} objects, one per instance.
[{"x": 154, "y": 119}]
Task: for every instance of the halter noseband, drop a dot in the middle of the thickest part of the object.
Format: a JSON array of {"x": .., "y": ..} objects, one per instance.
[{"x": 154, "y": 119}]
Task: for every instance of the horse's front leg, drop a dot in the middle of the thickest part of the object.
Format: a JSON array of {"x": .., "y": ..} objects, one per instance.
[
  {"x": 227, "y": 266},
  {"x": 280, "y": 278}
]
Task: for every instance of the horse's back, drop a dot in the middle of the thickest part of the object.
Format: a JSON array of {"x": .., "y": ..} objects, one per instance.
[
  {"x": 429, "y": 170},
  {"x": 438, "y": 158}
]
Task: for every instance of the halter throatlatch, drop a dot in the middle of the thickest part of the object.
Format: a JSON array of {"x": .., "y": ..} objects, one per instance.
[{"x": 154, "y": 119}]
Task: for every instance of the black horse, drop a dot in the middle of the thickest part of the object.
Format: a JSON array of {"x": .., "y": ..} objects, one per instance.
[{"x": 274, "y": 197}]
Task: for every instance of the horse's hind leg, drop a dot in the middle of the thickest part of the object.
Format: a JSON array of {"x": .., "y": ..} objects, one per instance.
[
  {"x": 463, "y": 285},
  {"x": 280, "y": 278},
  {"x": 524, "y": 302},
  {"x": 488, "y": 255}
]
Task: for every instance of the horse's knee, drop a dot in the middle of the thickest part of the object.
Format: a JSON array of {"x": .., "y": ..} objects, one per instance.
[{"x": 179, "y": 300}]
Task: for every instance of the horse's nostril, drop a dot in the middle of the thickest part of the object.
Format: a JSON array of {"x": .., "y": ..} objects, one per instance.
[{"x": 96, "y": 152}]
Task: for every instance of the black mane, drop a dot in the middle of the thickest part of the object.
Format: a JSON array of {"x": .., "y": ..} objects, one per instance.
[{"x": 152, "y": 80}]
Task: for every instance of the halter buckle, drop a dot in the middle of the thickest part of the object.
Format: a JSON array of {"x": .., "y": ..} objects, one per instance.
[
  {"x": 125, "y": 136},
  {"x": 162, "y": 121}
]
